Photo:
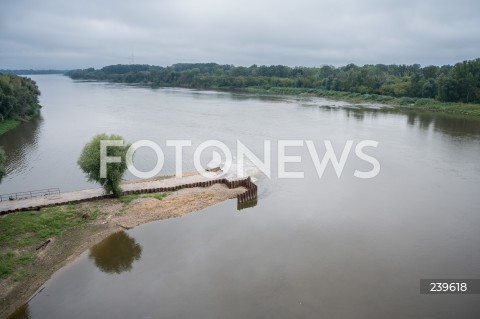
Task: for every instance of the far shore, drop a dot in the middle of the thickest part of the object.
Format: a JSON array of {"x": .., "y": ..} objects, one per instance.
[
  {"x": 83, "y": 225},
  {"x": 406, "y": 103}
]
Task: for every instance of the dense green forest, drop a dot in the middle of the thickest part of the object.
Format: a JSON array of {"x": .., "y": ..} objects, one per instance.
[
  {"x": 458, "y": 83},
  {"x": 18, "y": 100}
]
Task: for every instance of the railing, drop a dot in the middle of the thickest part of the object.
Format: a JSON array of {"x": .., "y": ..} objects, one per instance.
[{"x": 30, "y": 194}]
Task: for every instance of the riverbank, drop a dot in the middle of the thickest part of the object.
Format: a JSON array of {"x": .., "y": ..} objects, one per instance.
[
  {"x": 73, "y": 228},
  {"x": 408, "y": 103},
  {"x": 10, "y": 124},
  {"x": 389, "y": 102},
  {"x": 397, "y": 85}
]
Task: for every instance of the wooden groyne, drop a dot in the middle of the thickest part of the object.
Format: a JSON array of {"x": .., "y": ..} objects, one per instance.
[{"x": 244, "y": 200}]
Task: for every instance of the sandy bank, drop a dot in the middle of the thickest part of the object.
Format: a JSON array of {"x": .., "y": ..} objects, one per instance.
[{"x": 107, "y": 216}]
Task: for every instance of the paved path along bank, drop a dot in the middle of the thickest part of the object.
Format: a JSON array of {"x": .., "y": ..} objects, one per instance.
[{"x": 246, "y": 199}]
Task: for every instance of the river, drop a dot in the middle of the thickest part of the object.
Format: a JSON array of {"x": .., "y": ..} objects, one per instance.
[{"x": 315, "y": 247}]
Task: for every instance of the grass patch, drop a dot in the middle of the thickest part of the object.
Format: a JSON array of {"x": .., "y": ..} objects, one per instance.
[
  {"x": 6, "y": 264},
  {"x": 22, "y": 232},
  {"x": 127, "y": 199},
  {"x": 8, "y": 125},
  {"x": 14, "y": 265}
]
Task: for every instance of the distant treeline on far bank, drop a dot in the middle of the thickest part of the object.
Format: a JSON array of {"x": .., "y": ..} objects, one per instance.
[
  {"x": 32, "y": 72},
  {"x": 458, "y": 83}
]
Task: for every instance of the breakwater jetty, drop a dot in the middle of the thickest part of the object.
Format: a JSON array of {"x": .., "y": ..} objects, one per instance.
[{"x": 29, "y": 203}]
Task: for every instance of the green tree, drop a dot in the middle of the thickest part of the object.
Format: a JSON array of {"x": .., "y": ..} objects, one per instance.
[
  {"x": 18, "y": 97},
  {"x": 447, "y": 89},
  {"x": 429, "y": 89},
  {"x": 89, "y": 162}
]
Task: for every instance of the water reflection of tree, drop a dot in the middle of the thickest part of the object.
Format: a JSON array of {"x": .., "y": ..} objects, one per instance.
[
  {"x": 20, "y": 141},
  {"x": 357, "y": 114},
  {"x": 21, "y": 313},
  {"x": 454, "y": 125},
  {"x": 451, "y": 124},
  {"x": 116, "y": 253}
]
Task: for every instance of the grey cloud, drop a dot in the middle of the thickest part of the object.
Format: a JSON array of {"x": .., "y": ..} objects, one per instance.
[{"x": 71, "y": 34}]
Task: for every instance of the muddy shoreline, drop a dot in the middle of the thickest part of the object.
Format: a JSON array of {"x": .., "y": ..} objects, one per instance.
[{"x": 113, "y": 216}]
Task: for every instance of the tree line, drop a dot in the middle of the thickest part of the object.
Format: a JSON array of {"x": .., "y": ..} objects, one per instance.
[
  {"x": 18, "y": 98},
  {"x": 32, "y": 72},
  {"x": 457, "y": 83}
]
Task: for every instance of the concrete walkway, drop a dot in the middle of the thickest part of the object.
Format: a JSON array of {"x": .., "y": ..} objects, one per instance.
[{"x": 129, "y": 186}]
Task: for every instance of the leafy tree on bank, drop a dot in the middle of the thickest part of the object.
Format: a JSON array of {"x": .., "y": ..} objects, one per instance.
[
  {"x": 18, "y": 97},
  {"x": 89, "y": 162}
]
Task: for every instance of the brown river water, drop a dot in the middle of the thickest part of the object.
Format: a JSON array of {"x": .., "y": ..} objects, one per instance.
[{"x": 311, "y": 248}]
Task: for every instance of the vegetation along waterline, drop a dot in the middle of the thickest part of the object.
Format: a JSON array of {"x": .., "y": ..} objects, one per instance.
[
  {"x": 450, "y": 89},
  {"x": 18, "y": 101}
]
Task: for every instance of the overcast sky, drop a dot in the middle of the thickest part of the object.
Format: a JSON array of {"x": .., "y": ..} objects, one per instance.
[{"x": 94, "y": 33}]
